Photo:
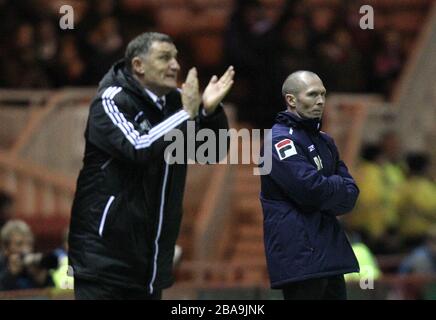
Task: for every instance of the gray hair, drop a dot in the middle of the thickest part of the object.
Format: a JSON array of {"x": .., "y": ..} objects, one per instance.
[
  {"x": 140, "y": 45},
  {"x": 14, "y": 226}
]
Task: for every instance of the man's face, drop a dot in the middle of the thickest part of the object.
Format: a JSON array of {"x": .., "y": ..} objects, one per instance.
[
  {"x": 19, "y": 244},
  {"x": 309, "y": 102},
  {"x": 159, "y": 68}
]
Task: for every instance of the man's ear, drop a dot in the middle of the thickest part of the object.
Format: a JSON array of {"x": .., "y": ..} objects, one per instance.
[
  {"x": 138, "y": 65},
  {"x": 290, "y": 100}
]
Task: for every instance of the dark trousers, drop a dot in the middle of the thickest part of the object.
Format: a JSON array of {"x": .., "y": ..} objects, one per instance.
[
  {"x": 92, "y": 290},
  {"x": 329, "y": 288}
]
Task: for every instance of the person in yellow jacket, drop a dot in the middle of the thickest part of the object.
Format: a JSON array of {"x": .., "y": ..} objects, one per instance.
[
  {"x": 370, "y": 216},
  {"x": 393, "y": 174},
  {"x": 416, "y": 204},
  {"x": 369, "y": 269},
  {"x": 60, "y": 276}
]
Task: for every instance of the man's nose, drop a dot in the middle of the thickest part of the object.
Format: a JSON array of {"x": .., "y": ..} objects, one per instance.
[
  {"x": 320, "y": 100},
  {"x": 174, "y": 65}
]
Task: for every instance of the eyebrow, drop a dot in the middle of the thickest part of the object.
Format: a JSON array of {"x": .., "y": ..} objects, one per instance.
[
  {"x": 165, "y": 51},
  {"x": 315, "y": 91}
]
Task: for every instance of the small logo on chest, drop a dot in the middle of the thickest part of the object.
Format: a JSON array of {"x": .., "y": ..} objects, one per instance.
[
  {"x": 285, "y": 148},
  {"x": 318, "y": 162},
  {"x": 145, "y": 125}
]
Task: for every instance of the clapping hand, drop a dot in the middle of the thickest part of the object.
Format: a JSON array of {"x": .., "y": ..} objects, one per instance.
[
  {"x": 190, "y": 93},
  {"x": 217, "y": 89}
]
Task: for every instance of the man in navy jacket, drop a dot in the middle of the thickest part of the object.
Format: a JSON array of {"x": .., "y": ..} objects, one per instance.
[{"x": 309, "y": 185}]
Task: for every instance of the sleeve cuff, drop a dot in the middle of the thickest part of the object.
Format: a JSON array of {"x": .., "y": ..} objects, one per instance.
[{"x": 203, "y": 114}]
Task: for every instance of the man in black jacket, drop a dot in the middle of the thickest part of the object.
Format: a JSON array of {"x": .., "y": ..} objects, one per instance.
[{"x": 128, "y": 204}]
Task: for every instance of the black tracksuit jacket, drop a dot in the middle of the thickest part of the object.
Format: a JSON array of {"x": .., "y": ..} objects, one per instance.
[{"x": 127, "y": 208}]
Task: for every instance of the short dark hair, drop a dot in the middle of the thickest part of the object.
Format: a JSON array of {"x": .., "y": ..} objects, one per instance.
[
  {"x": 141, "y": 44},
  {"x": 418, "y": 162},
  {"x": 370, "y": 152}
]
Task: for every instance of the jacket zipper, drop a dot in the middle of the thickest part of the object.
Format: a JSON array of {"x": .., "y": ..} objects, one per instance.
[{"x": 103, "y": 218}]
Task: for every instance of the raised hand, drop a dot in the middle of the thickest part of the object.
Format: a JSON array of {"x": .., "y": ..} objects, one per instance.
[
  {"x": 190, "y": 93},
  {"x": 216, "y": 90}
]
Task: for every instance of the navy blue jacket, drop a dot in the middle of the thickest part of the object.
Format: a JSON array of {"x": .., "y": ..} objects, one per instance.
[{"x": 307, "y": 188}]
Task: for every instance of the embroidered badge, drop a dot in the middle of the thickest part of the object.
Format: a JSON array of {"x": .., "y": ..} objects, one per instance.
[{"x": 285, "y": 148}]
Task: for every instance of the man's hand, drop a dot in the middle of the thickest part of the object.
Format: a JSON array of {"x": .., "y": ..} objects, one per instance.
[
  {"x": 216, "y": 90},
  {"x": 190, "y": 94}
]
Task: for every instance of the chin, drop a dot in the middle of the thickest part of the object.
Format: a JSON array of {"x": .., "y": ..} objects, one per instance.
[
  {"x": 171, "y": 85},
  {"x": 167, "y": 87}
]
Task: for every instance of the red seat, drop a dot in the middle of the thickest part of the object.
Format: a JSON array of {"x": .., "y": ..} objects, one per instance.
[{"x": 48, "y": 231}]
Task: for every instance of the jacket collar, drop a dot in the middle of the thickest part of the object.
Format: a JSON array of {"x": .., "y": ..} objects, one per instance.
[{"x": 291, "y": 120}]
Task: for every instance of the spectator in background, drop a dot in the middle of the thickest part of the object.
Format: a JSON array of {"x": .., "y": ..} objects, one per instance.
[
  {"x": 367, "y": 261},
  {"x": 363, "y": 41},
  {"x": 370, "y": 217},
  {"x": 20, "y": 268},
  {"x": 60, "y": 275},
  {"x": 104, "y": 46},
  {"x": 388, "y": 61},
  {"x": 322, "y": 22},
  {"x": 294, "y": 50},
  {"x": 340, "y": 62},
  {"x": 416, "y": 204},
  {"x": 71, "y": 67},
  {"x": 391, "y": 154},
  {"x": 249, "y": 44},
  {"x": 423, "y": 259},
  {"x": 19, "y": 67},
  {"x": 47, "y": 41},
  {"x": 244, "y": 46},
  {"x": 47, "y": 47},
  {"x": 393, "y": 173}
]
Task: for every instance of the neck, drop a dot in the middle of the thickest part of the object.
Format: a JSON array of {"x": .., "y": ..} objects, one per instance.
[
  {"x": 293, "y": 111},
  {"x": 157, "y": 91}
]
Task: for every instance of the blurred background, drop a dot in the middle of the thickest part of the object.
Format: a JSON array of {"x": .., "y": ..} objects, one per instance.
[{"x": 381, "y": 110}]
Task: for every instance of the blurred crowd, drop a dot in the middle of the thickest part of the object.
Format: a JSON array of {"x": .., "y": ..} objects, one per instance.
[
  {"x": 21, "y": 267},
  {"x": 396, "y": 210},
  {"x": 330, "y": 42},
  {"x": 264, "y": 45},
  {"x": 38, "y": 53}
]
